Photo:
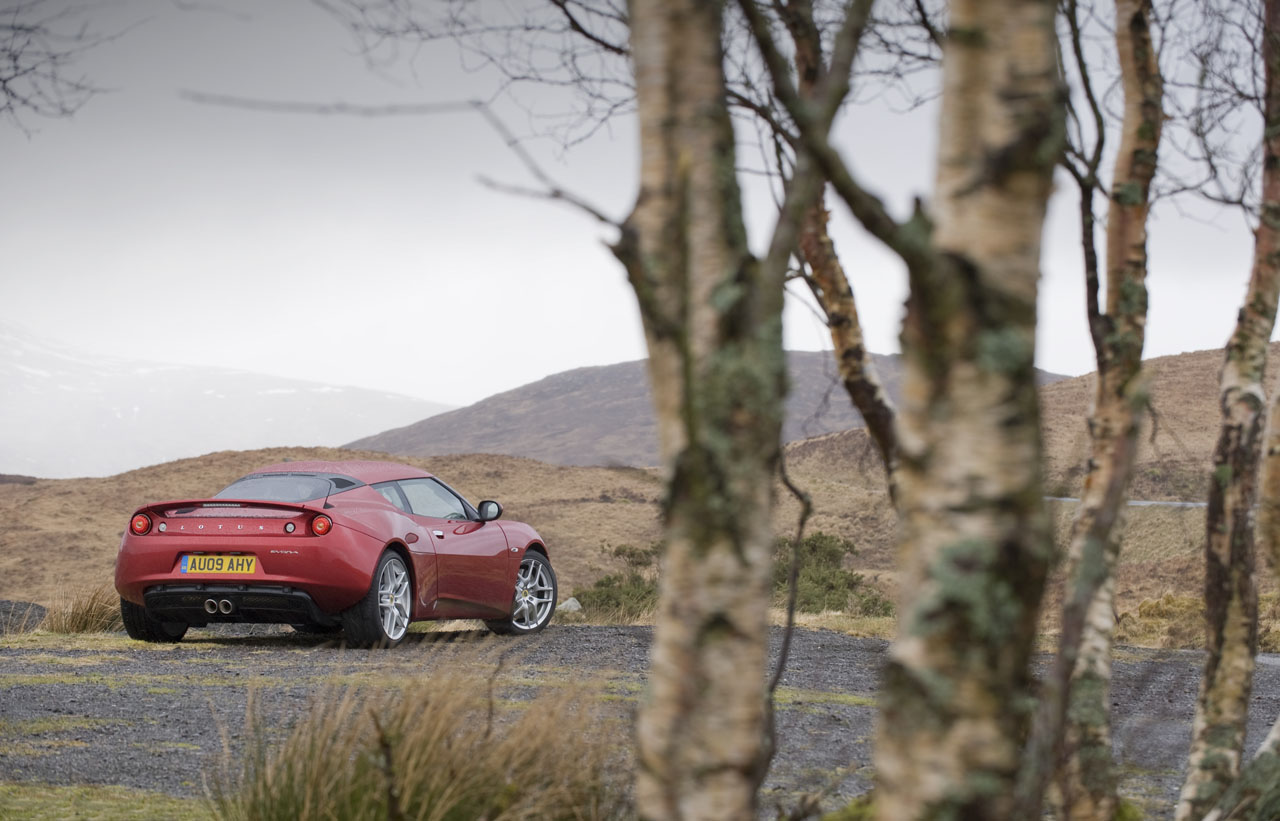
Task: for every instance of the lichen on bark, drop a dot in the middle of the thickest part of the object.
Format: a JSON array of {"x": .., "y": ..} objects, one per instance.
[
  {"x": 974, "y": 538},
  {"x": 1230, "y": 587},
  {"x": 1082, "y": 698}
]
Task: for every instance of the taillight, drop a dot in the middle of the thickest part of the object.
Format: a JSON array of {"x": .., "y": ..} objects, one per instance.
[
  {"x": 140, "y": 524},
  {"x": 321, "y": 525}
]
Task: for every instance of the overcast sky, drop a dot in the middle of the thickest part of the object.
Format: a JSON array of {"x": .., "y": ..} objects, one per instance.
[{"x": 364, "y": 251}]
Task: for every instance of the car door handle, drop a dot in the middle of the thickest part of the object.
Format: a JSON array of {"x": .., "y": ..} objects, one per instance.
[{"x": 439, "y": 534}]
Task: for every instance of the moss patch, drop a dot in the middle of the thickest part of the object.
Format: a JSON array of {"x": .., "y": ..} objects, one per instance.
[
  {"x": 116, "y": 681},
  {"x": 73, "y": 660},
  {"x": 792, "y": 697},
  {"x": 34, "y": 748},
  {"x": 46, "y": 802},
  {"x": 54, "y": 724}
]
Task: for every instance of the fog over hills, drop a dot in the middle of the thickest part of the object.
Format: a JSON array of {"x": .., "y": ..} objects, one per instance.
[
  {"x": 68, "y": 412},
  {"x": 603, "y": 415}
]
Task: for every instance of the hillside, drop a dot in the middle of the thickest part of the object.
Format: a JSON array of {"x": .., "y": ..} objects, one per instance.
[
  {"x": 1174, "y": 453},
  {"x": 68, "y": 412},
  {"x": 604, "y": 416},
  {"x": 62, "y": 534},
  {"x": 1162, "y": 546}
]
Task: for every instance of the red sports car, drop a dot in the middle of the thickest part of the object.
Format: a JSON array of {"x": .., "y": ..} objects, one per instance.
[{"x": 361, "y": 547}]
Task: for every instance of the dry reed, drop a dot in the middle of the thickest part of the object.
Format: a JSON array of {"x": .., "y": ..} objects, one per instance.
[
  {"x": 85, "y": 610},
  {"x": 446, "y": 749}
]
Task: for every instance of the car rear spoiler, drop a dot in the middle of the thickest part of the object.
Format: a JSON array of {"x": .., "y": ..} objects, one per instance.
[{"x": 191, "y": 505}]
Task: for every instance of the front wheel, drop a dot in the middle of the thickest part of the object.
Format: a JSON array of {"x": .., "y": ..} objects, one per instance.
[
  {"x": 141, "y": 625},
  {"x": 535, "y": 597},
  {"x": 381, "y": 618}
]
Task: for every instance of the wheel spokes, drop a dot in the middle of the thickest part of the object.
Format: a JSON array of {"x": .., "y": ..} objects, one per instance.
[
  {"x": 534, "y": 596},
  {"x": 393, "y": 599}
]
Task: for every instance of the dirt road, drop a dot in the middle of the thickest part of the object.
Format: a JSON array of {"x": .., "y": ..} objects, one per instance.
[{"x": 106, "y": 710}]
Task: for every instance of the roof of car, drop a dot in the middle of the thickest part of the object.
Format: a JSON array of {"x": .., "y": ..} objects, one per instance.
[{"x": 365, "y": 471}]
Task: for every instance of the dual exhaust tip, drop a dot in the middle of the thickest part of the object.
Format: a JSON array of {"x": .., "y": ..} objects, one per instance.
[{"x": 212, "y": 606}]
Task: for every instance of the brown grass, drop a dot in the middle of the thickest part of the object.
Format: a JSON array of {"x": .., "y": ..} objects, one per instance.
[
  {"x": 87, "y": 610},
  {"x": 74, "y": 526},
  {"x": 448, "y": 749},
  {"x": 1177, "y": 623}
]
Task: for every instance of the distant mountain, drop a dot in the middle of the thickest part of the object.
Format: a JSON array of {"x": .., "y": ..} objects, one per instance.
[
  {"x": 68, "y": 412},
  {"x": 603, "y": 415}
]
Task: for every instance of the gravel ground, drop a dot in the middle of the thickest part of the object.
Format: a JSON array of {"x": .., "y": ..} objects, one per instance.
[{"x": 110, "y": 711}]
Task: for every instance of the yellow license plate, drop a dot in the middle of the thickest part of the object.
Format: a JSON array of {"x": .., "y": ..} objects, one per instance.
[{"x": 219, "y": 564}]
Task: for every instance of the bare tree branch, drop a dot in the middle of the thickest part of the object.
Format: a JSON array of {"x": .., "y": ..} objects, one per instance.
[
  {"x": 39, "y": 45},
  {"x": 550, "y": 190}
]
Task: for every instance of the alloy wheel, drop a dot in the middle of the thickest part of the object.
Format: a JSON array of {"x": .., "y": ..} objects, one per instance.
[
  {"x": 535, "y": 595},
  {"x": 393, "y": 599}
]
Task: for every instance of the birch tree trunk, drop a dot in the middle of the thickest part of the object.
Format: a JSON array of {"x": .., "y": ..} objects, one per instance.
[
  {"x": 827, "y": 279},
  {"x": 713, "y": 327},
  {"x": 1087, "y": 783},
  {"x": 1255, "y": 795},
  {"x": 975, "y": 547},
  {"x": 830, "y": 286},
  {"x": 1231, "y": 596}
]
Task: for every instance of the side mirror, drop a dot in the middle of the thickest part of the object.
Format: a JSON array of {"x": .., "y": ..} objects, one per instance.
[{"x": 489, "y": 510}]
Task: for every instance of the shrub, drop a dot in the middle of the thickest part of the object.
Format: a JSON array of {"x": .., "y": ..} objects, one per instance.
[
  {"x": 623, "y": 597},
  {"x": 85, "y": 611},
  {"x": 824, "y": 583},
  {"x": 441, "y": 751}
]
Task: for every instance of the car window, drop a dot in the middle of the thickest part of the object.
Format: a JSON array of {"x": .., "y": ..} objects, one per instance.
[
  {"x": 389, "y": 492},
  {"x": 428, "y": 497},
  {"x": 279, "y": 487}
]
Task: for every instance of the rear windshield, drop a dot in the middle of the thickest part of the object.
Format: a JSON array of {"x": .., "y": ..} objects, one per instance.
[{"x": 286, "y": 487}]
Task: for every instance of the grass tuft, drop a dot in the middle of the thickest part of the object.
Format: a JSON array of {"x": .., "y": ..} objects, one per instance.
[
  {"x": 1175, "y": 622},
  {"x": 444, "y": 750},
  {"x": 93, "y": 610}
]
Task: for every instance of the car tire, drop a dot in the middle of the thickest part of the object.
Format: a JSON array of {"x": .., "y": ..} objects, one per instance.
[
  {"x": 381, "y": 618},
  {"x": 534, "y": 600},
  {"x": 141, "y": 625}
]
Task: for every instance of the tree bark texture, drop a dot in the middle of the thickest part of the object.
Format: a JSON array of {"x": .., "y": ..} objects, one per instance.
[
  {"x": 830, "y": 286},
  {"x": 827, "y": 279},
  {"x": 975, "y": 546},
  {"x": 1087, "y": 783},
  {"x": 713, "y": 328},
  {"x": 1231, "y": 597}
]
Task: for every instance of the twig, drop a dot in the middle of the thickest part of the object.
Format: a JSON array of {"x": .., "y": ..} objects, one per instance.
[
  {"x": 493, "y": 679},
  {"x": 394, "y": 813},
  {"x": 806, "y": 509}
]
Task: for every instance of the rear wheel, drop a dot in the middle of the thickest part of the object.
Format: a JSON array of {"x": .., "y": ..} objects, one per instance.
[
  {"x": 381, "y": 618},
  {"x": 141, "y": 625},
  {"x": 534, "y": 600}
]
